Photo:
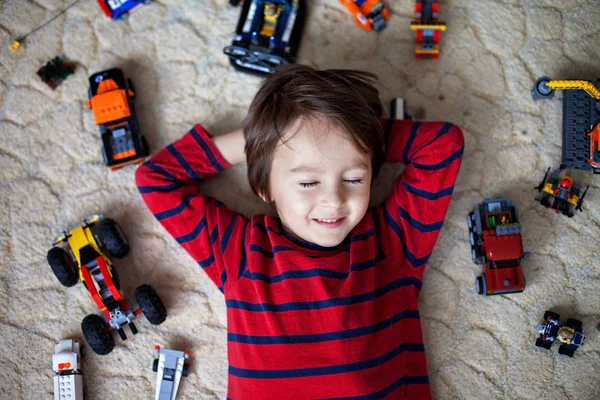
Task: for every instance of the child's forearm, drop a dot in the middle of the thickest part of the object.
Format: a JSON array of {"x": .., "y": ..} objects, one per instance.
[{"x": 231, "y": 146}]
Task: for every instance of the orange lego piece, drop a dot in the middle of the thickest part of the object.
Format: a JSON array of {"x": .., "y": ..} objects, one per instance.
[
  {"x": 594, "y": 135},
  {"x": 110, "y": 103}
]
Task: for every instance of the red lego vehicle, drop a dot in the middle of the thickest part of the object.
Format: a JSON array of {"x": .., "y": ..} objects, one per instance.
[
  {"x": 427, "y": 28},
  {"x": 495, "y": 236}
]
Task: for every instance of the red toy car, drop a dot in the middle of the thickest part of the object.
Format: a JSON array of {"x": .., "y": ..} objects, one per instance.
[{"x": 495, "y": 236}]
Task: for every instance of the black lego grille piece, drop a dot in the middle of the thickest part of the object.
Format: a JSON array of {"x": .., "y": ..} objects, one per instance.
[{"x": 580, "y": 111}]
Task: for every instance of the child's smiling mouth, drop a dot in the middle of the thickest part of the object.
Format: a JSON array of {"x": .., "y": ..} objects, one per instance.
[{"x": 330, "y": 222}]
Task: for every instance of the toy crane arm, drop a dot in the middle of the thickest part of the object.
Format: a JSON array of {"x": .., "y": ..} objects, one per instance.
[
  {"x": 545, "y": 87},
  {"x": 580, "y": 202}
]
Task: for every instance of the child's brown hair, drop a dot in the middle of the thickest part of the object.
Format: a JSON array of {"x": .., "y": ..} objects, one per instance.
[{"x": 346, "y": 98}]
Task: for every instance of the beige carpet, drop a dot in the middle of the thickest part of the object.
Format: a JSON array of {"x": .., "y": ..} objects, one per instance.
[{"x": 52, "y": 175}]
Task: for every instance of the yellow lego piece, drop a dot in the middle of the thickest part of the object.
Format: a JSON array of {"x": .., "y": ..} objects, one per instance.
[{"x": 15, "y": 46}]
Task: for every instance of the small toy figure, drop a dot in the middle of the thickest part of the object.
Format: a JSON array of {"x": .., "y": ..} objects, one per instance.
[
  {"x": 560, "y": 194},
  {"x": 267, "y": 35},
  {"x": 110, "y": 98},
  {"x": 398, "y": 109},
  {"x": 170, "y": 366},
  {"x": 368, "y": 14},
  {"x": 581, "y": 111},
  {"x": 55, "y": 72},
  {"x": 427, "y": 28},
  {"x": 495, "y": 237},
  {"x": 86, "y": 261},
  {"x": 120, "y": 9},
  {"x": 570, "y": 335},
  {"x": 66, "y": 364}
]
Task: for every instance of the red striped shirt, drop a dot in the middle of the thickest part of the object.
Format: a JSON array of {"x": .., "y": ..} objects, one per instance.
[{"x": 306, "y": 321}]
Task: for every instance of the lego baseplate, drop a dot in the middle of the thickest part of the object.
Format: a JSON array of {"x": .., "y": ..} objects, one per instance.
[{"x": 580, "y": 111}]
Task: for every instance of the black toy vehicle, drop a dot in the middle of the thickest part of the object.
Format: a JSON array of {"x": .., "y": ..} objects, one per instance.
[
  {"x": 267, "y": 35},
  {"x": 570, "y": 335},
  {"x": 110, "y": 98}
]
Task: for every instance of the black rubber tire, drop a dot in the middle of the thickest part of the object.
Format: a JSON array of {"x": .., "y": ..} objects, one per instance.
[
  {"x": 112, "y": 238},
  {"x": 155, "y": 365},
  {"x": 575, "y": 324},
  {"x": 234, "y": 3},
  {"x": 145, "y": 147},
  {"x": 94, "y": 330},
  {"x": 185, "y": 370},
  {"x": 64, "y": 268},
  {"x": 479, "y": 285},
  {"x": 543, "y": 344},
  {"x": 552, "y": 314},
  {"x": 151, "y": 304},
  {"x": 563, "y": 351}
]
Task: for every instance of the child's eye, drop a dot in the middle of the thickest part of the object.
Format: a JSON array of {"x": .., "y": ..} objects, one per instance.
[
  {"x": 353, "y": 181},
  {"x": 308, "y": 185}
]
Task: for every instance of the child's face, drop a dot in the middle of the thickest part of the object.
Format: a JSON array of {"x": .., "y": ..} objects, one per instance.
[{"x": 320, "y": 176}]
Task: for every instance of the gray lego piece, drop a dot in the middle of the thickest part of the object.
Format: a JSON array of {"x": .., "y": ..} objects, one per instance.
[
  {"x": 580, "y": 112},
  {"x": 508, "y": 230}
]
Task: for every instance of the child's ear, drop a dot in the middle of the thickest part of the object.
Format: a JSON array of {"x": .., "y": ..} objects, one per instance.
[{"x": 263, "y": 197}]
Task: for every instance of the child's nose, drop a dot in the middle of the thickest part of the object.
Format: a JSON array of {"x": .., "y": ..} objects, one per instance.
[{"x": 333, "y": 197}]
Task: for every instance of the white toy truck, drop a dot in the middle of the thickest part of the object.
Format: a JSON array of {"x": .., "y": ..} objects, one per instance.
[
  {"x": 170, "y": 366},
  {"x": 66, "y": 364}
]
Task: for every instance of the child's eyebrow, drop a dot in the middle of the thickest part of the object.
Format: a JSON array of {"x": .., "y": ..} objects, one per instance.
[{"x": 311, "y": 168}]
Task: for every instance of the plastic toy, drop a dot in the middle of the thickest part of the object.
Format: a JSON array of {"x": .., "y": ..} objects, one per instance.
[
  {"x": 398, "y": 109},
  {"x": 110, "y": 98},
  {"x": 495, "y": 237},
  {"x": 120, "y": 9},
  {"x": 55, "y": 72},
  {"x": 86, "y": 260},
  {"x": 368, "y": 14},
  {"x": 267, "y": 35},
  {"x": 570, "y": 335},
  {"x": 594, "y": 135},
  {"x": 170, "y": 366},
  {"x": 427, "y": 29},
  {"x": 560, "y": 194},
  {"x": 581, "y": 110},
  {"x": 66, "y": 364}
]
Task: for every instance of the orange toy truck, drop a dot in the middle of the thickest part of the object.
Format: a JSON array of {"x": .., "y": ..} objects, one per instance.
[
  {"x": 110, "y": 98},
  {"x": 368, "y": 14}
]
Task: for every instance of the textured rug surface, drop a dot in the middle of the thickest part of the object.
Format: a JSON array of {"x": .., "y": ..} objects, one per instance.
[{"x": 52, "y": 175}]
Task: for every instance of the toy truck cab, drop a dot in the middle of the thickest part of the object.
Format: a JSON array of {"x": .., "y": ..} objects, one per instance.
[
  {"x": 110, "y": 98},
  {"x": 495, "y": 237},
  {"x": 66, "y": 364}
]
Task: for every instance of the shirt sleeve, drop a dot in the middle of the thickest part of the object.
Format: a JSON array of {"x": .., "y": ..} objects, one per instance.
[
  {"x": 210, "y": 232},
  {"x": 410, "y": 219}
]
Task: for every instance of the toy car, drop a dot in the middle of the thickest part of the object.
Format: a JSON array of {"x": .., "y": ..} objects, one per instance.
[
  {"x": 560, "y": 194},
  {"x": 594, "y": 134},
  {"x": 66, "y": 364},
  {"x": 495, "y": 237},
  {"x": 570, "y": 335},
  {"x": 110, "y": 98},
  {"x": 267, "y": 35},
  {"x": 86, "y": 260},
  {"x": 170, "y": 366},
  {"x": 368, "y": 14},
  {"x": 427, "y": 28},
  {"x": 120, "y": 9}
]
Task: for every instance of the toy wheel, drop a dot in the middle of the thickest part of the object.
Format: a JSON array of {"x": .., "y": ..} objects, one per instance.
[
  {"x": 185, "y": 370},
  {"x": 124, "y": 16},
  {"x": 575, "y": 324},
  {"x": 112, "y": 238},
  {"x": 151, "y": 304},
  {"x": 234, "y": 3},
  {"x": 539, "y": 342},
  {"x": 554, "y": 316},
  {"x": 563, "y": 351},
  {"x": 63, "y": 267},
  {"x": 94, "y": 331},
  {"x": 470, "y": 221},
  {"x": 155, "y": 365},
  {"x": 472, "y": 238},
  {"x": 545, "y": 201},
  {"x": 479, "y": 284}
]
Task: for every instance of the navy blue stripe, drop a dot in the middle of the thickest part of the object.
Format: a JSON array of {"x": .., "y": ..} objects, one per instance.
[
  {"x": 266, "y": 253},
  {"x": 227, "y": 234},
  {"x": 208, "y": 261},
  {"x": 329, "y": 370},
  {"x": 428, "y": 195},
  {"x": 242, "y": 266},
  {"x": 194, "y": 233},
  {"x": 362, "y": 236},
  {"x": 223, "y": 280},
  {"x": 182, "y": 161},
  {"x": 324, "y": 337},
  {"x": 404, "y": 381},
  {"x": 152, "y": 189},
  {"x": 160, "y": 170},
  {"x": 175, "y": 210},
  {"x": 424, "y": 228},
  {"x": 320, "y": 304},
  {"x": 214, "y": 235},
  {"x": 207, "y": 150},
  {"x": 444, "y": 129},
  {"x": 441, "y": 164},
  {"x": 416, "y": 262},
  {"x": 409, "y": 142}
]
